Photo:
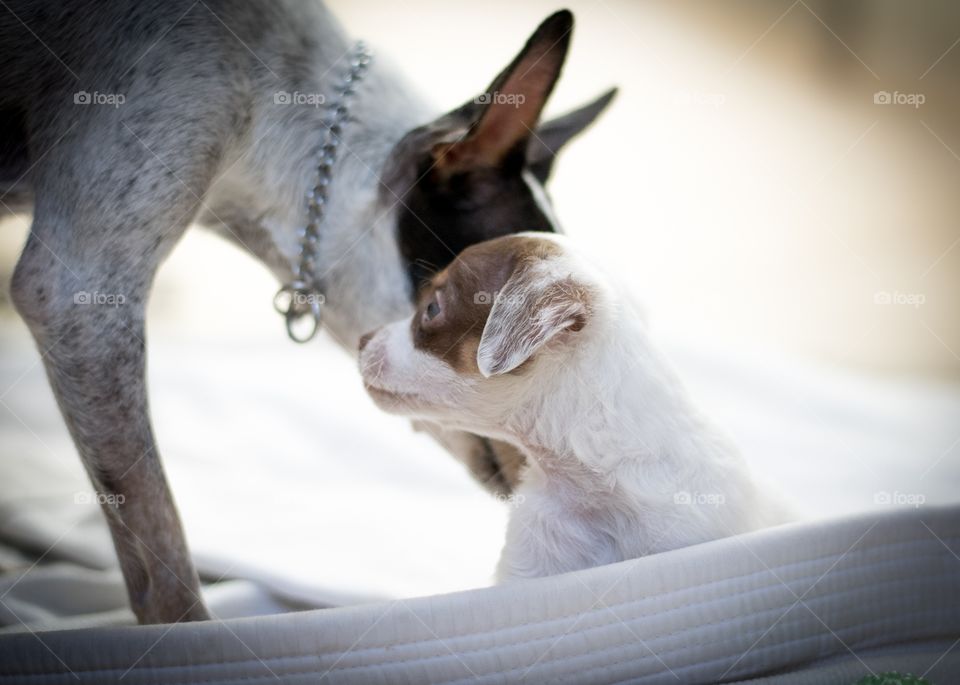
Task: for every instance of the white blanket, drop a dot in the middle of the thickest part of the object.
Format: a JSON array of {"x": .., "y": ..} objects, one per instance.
[
  {"x": 805, "y": 603},
  {"x": 297, "y": 490}
]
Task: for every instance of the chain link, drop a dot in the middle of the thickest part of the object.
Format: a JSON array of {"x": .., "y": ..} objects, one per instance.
[{"x": 301, "y": 300}]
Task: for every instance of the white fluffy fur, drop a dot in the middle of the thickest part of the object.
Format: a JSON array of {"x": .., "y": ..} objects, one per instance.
[{"x": 621, "y": 464}]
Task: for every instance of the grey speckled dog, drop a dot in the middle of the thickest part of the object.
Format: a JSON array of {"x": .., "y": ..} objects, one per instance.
[{"x": 124, "y": 121}]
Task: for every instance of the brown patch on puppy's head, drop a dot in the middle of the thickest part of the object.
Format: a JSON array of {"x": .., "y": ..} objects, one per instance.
[{"x": 455, "y": 308}]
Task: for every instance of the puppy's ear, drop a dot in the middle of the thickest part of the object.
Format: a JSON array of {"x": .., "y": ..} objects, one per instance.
[
  {"x": 534, "y": 306},
  {"x": 554, "y": 134},
  {"x": 504, "y": 117}
]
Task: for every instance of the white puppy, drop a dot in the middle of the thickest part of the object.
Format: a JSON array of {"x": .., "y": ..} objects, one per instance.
[{"x": 521, "y": 340}]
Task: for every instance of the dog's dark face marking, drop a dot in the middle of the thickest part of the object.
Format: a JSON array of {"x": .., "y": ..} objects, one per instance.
[
  {"x": 474, "y": 174},
  {"x": 443, "y": 217}
]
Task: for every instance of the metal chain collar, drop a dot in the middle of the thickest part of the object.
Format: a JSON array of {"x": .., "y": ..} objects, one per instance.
[{"x": 300, "y": 301}]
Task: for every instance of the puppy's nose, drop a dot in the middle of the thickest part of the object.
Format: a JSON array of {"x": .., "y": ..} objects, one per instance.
[{"x": 365, "y": 338}]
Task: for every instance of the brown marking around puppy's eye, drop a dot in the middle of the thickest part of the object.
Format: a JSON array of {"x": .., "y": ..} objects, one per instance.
[{"x": 470, "y": 284}]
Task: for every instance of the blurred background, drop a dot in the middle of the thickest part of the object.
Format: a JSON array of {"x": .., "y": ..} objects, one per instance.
[
  {"x": 777, "y": 181},
  {"x": 745, "y": 179}
]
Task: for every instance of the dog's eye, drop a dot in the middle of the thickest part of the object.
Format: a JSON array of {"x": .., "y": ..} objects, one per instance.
[{"x": 431, "y": 311}]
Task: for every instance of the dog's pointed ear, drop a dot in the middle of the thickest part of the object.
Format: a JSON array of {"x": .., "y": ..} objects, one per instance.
[
  {"x": 503, "y": 118},
  {"x": 554, "y": 134},
  {"x": 535, "y": 305}
]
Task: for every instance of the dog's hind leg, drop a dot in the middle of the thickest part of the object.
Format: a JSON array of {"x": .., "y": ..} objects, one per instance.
[{"x": 106, "y": 215}]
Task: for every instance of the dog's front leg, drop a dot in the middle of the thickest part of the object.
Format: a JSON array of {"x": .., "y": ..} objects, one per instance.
[
  {"x": 91, "y": 338},
  {"x": 92, "y": 342},
  {"x": 81, "y": 285},
  {"x": 545, "y": 537}
]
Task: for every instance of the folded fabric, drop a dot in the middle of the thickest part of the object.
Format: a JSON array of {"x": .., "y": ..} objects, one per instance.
[{"x": 803, "y": 603}]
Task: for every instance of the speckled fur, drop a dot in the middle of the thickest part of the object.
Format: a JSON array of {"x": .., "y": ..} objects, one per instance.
[{"x": 198, "y": 138}]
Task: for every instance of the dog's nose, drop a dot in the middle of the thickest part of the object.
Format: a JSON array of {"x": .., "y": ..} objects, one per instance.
[{"x": 364, "y": 339}]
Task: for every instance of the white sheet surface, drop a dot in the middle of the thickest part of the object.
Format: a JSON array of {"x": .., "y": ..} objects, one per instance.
[
  {"x": 286, "y": 474},
  {"x": 824, "y": 602}
]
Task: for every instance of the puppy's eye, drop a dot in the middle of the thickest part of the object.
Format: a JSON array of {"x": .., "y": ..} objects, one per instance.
[{"x": 432, "y": 315}]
